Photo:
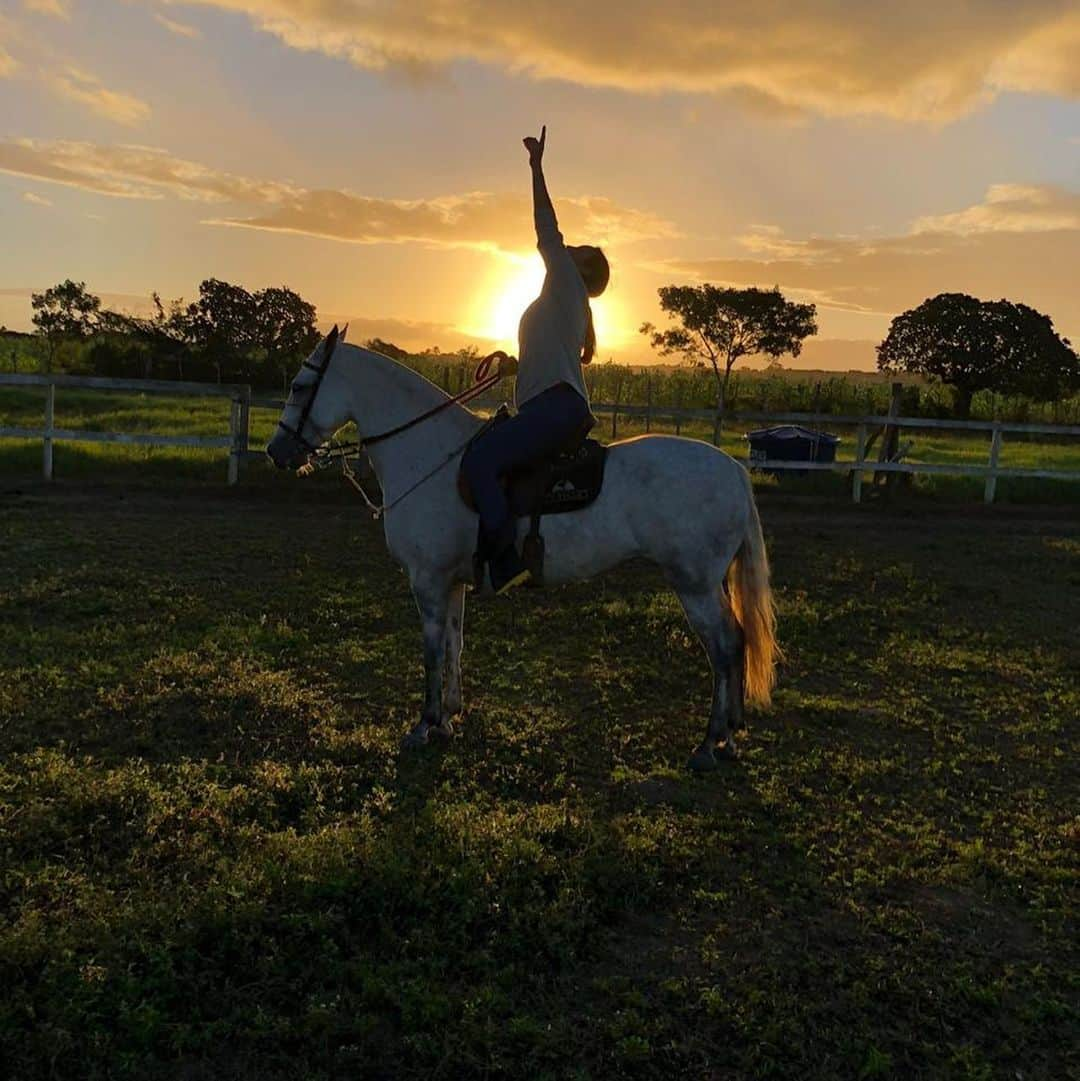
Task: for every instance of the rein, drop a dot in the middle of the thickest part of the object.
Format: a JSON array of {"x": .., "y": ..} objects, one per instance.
[{"x": 326, "y": 455}]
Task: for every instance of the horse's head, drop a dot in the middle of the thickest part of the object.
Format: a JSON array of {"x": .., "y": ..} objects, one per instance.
[{"x": 317, "y": 406}]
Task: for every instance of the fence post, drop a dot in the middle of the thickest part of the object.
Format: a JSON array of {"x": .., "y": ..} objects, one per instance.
[
  {"x": 47, "y": 445},
  {"x": 991, "y": 477},
  {"x": 648, "y": 403},
  {"x": 243, "y": 424},
  {"x": 860, "y": 458},
  {"x": 234, "y": 441}
]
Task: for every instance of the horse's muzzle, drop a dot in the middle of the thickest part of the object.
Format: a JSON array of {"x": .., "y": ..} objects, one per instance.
[{"x": 285, "y": 452}]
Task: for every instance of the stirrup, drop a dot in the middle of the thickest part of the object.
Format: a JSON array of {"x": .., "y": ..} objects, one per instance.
[{"x": 519, "y": 579}]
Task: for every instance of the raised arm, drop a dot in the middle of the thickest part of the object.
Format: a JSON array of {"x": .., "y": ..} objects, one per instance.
[{"x": 547, "y": 227}]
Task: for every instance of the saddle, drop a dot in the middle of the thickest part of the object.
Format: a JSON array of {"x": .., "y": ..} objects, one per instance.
[{"x": 568, "y": 481}]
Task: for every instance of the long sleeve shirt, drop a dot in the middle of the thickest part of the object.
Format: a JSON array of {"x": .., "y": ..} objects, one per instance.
[{"x": 552, "y": 330}]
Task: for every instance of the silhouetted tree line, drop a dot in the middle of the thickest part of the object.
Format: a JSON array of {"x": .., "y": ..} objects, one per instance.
[
  {"x": 969, "y": 344},
  {"x": 228, "y": 335}
]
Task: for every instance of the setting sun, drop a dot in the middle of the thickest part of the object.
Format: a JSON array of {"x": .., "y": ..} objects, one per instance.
[{"x": 499, "y": 308}]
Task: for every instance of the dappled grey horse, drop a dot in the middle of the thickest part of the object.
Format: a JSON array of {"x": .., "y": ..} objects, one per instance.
[{"x": 680, "y": 503}]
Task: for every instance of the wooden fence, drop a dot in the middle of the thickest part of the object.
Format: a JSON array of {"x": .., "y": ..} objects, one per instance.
[
  {"x": 236, "y": 441},
  {"x": 863, "y": 425}
]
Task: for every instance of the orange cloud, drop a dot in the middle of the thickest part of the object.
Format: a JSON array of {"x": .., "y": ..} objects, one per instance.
[
  {"x": 88, "y": 90},
  {"x": 920, "y": 60},
  {"x": 1011, "y": 208},
  {"x": 57, "y": 8},
  {"x": 181, "y": 29},
  {"x": 132, "y": 172},
  {"x": 1023, "y": 243},
  {"x": 477, "y": 219}
]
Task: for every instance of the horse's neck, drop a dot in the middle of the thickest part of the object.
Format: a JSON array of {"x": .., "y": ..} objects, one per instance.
[{"x": 385, "y": 394}]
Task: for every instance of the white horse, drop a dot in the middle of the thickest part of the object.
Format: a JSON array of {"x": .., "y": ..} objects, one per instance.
[{"x": 680, "y": 503}]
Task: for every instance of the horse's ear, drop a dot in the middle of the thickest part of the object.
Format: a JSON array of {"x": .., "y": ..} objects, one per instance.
[
  {"x": 332, "y": 339},
  {"x": 344, "y": 331}
]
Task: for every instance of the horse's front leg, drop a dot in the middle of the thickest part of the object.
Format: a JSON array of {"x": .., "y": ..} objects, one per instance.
[
  {"x": 455, "y": 622},
  {"x": 433, "y": 602}
]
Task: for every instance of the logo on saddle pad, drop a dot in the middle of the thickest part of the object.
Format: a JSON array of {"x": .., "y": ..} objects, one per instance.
[{"x": 563, "y": 489}]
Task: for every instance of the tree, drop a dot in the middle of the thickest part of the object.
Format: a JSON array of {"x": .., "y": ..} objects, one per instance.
[
  {"x": 721, "y": 325},
  {"x": 975, "y": 345},
  {"x": 221, "y": 324},
  {"x": 165, "y": 335},
  {"x": 284, "y": 329},
  {"x": 66, "y": 311}
]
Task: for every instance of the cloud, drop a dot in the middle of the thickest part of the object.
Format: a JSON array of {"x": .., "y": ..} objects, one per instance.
[
  {"x": 1019, "y": 208},
  {"x": 1022, "y": 242},
  {"x": 35, "y": 199},
  {"x": 59, "y": 9},
  {"x": 181, "y": 29},
  {"x": 128, "y": 171},
  {"x": 929, "y": 60},
  {"x": 88, "y": 90},
  {"x": 8, "y": 64},
  {"x": 477, "y": 220},
  {"x": 481, "y": 220}
]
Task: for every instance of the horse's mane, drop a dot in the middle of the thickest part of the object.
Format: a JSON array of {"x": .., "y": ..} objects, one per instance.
[{"x": 427, "y": 393}]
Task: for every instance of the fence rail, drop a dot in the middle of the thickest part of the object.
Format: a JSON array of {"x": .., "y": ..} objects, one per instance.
[{"x": 236, "y": 441}]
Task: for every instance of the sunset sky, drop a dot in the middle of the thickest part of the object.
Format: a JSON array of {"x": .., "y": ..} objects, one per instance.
[{"x": 367, "y": 153}]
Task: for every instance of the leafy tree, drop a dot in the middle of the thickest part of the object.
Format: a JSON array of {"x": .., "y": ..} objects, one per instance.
[
  {"x": 163, "y": 336},
  {"x": 221, "y": 325},
  {"x": 66, "y": 311},
  {"x": 978, "y": 345},
  {"x": 718, "y": 326},
  {"x": 284, "y": 330}
]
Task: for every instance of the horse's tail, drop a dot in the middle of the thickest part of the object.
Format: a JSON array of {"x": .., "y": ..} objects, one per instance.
[{"x": 752, "y": 604}]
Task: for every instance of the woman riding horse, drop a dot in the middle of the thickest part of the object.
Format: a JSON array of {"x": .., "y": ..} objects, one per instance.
[{"x": 555, "y": 338}]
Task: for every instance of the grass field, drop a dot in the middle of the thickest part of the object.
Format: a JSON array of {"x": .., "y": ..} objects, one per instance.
[
  {"x": 96, "y": 411},
  {"x": 217, "y": 864}
]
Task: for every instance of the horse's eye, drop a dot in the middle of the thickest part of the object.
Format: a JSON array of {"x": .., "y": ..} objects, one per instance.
[{"x": 296, "y": 388}]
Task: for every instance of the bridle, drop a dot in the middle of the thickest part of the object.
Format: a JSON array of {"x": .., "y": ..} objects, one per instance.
[
  {"x": 326, "y": 454},
  {"x": 320, "y": 374}
]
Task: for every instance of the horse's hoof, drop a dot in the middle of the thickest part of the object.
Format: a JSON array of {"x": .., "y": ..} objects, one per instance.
[
  {"x": 444, "y": 729},
  {"x": 702, "y": 760},
  {"x": 418, "y": 737}
]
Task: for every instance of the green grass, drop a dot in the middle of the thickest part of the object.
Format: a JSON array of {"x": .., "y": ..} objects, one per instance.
[
  {"x": 217, "y": 864},
  {"x": 96, "y": 411}
]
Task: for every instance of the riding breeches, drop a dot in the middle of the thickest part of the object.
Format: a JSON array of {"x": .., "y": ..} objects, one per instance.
[{"x": 538, "y": 430}]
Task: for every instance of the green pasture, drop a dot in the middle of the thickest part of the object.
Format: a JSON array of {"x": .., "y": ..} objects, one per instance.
[
  {"x": 118, "y": 412},
  {"x": 218, "y": 865}
]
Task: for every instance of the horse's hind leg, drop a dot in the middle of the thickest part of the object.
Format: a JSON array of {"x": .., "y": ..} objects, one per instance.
[
  {"x": 720, "y": 634},
  {"x": 455, "y": 622}
]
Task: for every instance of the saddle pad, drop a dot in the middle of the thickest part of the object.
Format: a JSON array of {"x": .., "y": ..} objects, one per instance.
[{"x": 569, "y": 482}]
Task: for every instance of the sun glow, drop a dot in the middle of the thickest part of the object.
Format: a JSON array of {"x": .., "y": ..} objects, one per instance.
[{"x": 516, "y": 285}]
